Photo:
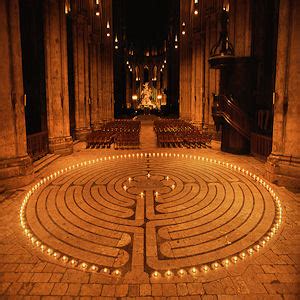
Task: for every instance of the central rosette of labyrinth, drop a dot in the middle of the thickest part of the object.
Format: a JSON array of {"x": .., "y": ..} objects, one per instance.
[
  {"x": 148, "y": 182},
  {"x": 151, "y": 214}
]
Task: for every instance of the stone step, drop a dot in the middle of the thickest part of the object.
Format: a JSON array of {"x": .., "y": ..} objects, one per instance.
[{"x": 44, "y": 161}]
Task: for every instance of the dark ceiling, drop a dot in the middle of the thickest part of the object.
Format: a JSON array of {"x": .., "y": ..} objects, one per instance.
[{"x": 146, "y": 22}]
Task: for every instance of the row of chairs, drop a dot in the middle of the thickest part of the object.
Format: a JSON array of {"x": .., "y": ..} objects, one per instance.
[
  {"x": 179, "y": 133},
  {"x": 127, "y": 141},
  {"x": 123, "y": 134}
]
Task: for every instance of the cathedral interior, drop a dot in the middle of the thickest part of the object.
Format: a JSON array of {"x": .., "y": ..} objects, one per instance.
[{"x": 149, "y": 149}]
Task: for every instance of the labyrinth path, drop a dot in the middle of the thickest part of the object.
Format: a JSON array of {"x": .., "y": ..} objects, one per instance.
[{"x": 159, "y": 214}]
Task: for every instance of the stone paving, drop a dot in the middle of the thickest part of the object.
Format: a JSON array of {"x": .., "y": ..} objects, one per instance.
[{"x": 150, "y": 224}]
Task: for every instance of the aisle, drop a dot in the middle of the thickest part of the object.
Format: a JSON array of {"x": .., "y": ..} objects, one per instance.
[{"x": 148, "y": 136}]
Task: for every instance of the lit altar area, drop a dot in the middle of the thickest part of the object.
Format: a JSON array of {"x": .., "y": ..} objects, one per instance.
[
  {"x": 149, "y": 99},
  {"x": 146, "y": 81}
]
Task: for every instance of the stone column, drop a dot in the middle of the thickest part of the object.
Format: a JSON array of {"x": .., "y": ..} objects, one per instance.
[
  {"x": 93, "y": 65},
  {"x": 107, "y": 62},
  {"x": 56, "y": 73},
  {"x": 197, "y": 78},
  {"x": 15, "y": 164},
  {"x": 159, "y": 88},
  {"x": 283, "y": 165},
  {"x": 212, "y": 75},
  {"x": 81, "y": 71},
  {"x": 185, "y": 63},
  {"x": 100, "y": 83},
  {"x": 240, "y": 26},
  {"x": 128, "y": 88}
]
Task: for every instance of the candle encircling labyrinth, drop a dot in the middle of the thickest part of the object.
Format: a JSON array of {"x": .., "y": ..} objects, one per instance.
[{"x": 162, "y": 214}]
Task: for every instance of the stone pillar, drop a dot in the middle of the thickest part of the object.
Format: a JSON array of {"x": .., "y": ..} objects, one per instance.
[
  {"x": 212, "y": 76},
  {"x": 240, "y": 26},
  {"x": 15, "y": 164},
  {"x": 81, "y": 73},
  {"x": 283, "y": 165},
  {"x": 197, "y": 79},
  {"x": 128, "y": 88},
  {"x": 185, "y": 77},
  {"x": 158, "y": 86},
  {"x": 107, "y": 95},
  {"x": 100, "y": 83},
  {"x": 56, "y": 73},
  {"x": 93, "y": 65}
]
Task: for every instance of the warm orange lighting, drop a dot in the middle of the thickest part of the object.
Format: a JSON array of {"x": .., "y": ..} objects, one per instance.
[
  {"x": 196, "y": 12},
  {"x": 67, "y": 7},
  {"x": 183, "y": 28},
  {"x": 107, "y": 27},
  {"x": 226, "y": 5},
  {"x": 134, "y": 97}
]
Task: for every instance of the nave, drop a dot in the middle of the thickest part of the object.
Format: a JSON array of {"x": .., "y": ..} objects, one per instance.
[{"x": 150, "y": 222}]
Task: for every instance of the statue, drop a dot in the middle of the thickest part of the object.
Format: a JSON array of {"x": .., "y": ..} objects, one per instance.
[{"x": 146, "y": 96}]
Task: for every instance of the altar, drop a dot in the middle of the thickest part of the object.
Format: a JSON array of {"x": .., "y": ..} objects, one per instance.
[{"x": 148, "y": 101}]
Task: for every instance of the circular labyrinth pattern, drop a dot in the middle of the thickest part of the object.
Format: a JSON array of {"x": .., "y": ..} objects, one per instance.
[{"x": 160, "y": 213}]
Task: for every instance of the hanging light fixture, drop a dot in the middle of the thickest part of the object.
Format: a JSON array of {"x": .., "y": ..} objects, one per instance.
[
  {"x": 183, "y": 28},
  {"x": 196, "y": 10},
  {"x": 116, "y": 42},
  {"x": 222, "y": 52},
  {"x": 67, "y": 7},
  {"x": 176, "y": 41},
  {"x": 97, "y": 8},
  {"x": 226, "y": 5},
  {"x": 108, "y": 28}
]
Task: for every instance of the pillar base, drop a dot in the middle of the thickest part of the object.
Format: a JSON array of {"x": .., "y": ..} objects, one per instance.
[
  {"x": 284, "y": 171},
  {"x": 61, "y": 145},
  {"x": 16, "y": 172},
  {"x": 81, "y": 134}
]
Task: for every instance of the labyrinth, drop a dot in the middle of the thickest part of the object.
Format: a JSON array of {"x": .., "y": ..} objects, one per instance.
[{"x": 161, "y": 214}]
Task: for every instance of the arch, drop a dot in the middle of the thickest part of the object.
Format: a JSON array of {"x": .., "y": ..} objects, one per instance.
[
  {"x": 137, "y": 73},
  {"x": 146, "y": 73},
  {"x": 154, "y": 73}
]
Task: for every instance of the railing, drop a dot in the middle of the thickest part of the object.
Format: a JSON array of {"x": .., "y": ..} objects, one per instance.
[
  {"x": 261, "y": 144},
  {"x": 233, "y": 115},
  {"x": 228, "y": 110},
  {"x": 37, "y": 145}
]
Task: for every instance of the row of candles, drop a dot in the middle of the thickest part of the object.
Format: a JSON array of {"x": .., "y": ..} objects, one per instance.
[{"x": 71, "y": 261}]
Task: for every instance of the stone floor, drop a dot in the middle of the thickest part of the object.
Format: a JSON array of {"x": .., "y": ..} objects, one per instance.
[{"x": 151, "y": 223}]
